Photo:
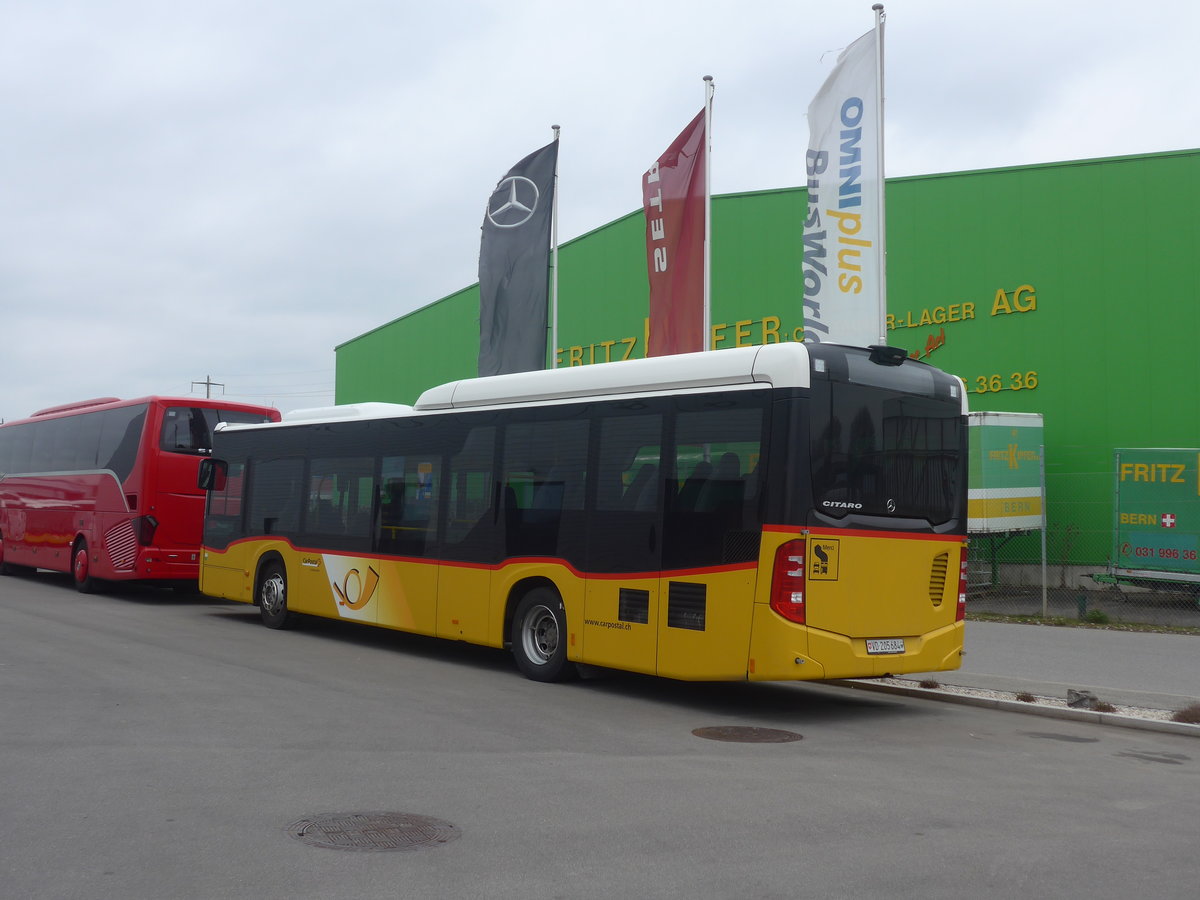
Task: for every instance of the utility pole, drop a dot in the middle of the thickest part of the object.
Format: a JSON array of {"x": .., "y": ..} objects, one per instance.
[{"x": 209, "y": 384}]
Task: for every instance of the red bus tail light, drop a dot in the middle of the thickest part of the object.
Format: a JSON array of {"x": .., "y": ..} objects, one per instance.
[
  {"x": 787, "y": 581},
  {"x": 961, "y": 612},
  {"x": 144, "y": 527}
]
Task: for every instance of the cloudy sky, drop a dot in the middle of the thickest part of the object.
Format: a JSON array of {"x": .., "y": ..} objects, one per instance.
[{"x": 230, "y": 189}]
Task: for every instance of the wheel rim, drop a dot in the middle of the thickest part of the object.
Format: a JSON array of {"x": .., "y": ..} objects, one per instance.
[
  {"x": 539, "y": 635},
  {"x": 81, "y": 565},
  {"x": 273, "y": 596}
]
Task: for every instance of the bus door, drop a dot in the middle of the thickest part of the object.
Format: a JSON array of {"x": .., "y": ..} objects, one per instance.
[
  {"x": 624, "y": 556},
  {"x": 712, "y": 535},
  {"x": 406, "y": 542},
  {"x": 471, "y": 536},
  {"x": 175, "y": 449},
  {"x": 338, "y": 519}
]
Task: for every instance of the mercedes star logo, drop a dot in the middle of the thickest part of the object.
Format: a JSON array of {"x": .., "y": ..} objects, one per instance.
[
  {"x": 513, "y": 202},
  {"x": 891, "y": 505}
]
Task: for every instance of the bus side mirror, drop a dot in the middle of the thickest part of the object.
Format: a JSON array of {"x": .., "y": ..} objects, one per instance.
[{"x": 212, "y": 474}]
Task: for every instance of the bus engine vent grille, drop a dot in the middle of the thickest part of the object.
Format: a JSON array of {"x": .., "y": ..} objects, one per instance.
[
  {"x": 937, "y": 578},
  {"x": 121, "y": 543},
  {"x": 686, "y": 605},
  {"x": 633, "y": 606}
]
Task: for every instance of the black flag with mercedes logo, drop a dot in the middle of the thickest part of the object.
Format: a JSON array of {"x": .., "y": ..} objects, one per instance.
[{"x": 514, "y": 267}]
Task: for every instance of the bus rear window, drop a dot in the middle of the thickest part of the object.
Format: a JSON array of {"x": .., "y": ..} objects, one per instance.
[
  {"x": 188, "y": 429},
  {"x": 882, "y": 453}
]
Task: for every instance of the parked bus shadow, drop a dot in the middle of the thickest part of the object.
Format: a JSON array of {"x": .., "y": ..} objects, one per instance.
[
  {"x": 774, "y": 704},
  {"x": 422, "y": 646},
  {"x": 147, "y": 592}
]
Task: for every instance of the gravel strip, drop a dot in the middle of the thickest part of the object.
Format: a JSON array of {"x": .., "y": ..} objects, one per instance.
[
  {"x": 1053, "y": 707},
  {"x": 1158, "y": 715}
]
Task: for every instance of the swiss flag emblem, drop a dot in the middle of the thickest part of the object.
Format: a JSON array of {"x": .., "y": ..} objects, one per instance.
[{"x": 1168, "y": 520}]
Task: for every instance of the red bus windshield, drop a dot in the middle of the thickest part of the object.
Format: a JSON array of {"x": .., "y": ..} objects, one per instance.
[{"x": 189, "y": 429}]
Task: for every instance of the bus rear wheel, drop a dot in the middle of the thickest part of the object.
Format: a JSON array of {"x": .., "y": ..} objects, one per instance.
[
  {"x": 539, "y": 637},
  {"x": 272, "y": 596},
  {"x": 81, "y": 569},
  {"x": 6, "y": 568}
]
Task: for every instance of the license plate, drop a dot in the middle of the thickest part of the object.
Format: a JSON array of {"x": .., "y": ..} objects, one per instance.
[{"x": 885, "y": 645}]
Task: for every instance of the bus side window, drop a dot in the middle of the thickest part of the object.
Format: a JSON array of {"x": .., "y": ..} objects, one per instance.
[
  {"x": 544, "y": 474},
  {"x": 623, "y": 527},
  {"x": 120, "y": 435},
  {"x": 276, "y": 495},
  {"x": 408, "y": 505},
  {"x": 714, "y": 514},
  {"x": 470, "y": 522},
  {"x": 341, "y": 496}
]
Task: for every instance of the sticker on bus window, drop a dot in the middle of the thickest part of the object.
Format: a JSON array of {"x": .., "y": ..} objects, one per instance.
[{"x": 823, "y": 560}]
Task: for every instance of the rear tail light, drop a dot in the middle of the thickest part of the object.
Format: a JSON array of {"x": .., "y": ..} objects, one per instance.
[
  {"x": 787, "y": 581},
  {"x": 144, "y": 527},
  {"x": 961, "y": 612}
]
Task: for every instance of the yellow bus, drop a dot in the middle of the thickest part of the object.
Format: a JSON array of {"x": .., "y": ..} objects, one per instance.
[{"x": 782, "y": 512}]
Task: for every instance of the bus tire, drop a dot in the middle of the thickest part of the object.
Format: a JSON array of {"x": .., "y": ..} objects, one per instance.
[
  {"x": 539, "y": 637},
  {"x": 271, "y": 596},
  {"x": 7, "y": 568},
  {"x": 81, "y": 569}
]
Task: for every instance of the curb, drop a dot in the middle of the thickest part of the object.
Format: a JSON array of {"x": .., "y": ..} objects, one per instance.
[{"x": 1030, "y": 709}]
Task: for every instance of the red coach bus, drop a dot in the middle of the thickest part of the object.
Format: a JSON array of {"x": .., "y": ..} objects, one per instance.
[{"x": 106, "y": 488}]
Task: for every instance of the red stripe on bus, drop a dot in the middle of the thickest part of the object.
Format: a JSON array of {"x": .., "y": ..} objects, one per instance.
[{"x": 496, "y": 567}]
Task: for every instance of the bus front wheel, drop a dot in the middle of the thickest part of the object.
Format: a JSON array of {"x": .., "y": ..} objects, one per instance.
[
  {"x": 81, "y": 569},
  {"x": 539, "y": 637},
  {"x": 272, "y": 596}
]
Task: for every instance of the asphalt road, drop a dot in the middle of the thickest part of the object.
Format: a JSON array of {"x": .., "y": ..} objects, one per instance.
[
  {"x": 158, "y": 746},
  {"x": 1135, "y": 668}
]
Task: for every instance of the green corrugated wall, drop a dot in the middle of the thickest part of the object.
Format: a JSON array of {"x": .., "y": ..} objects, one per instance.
[{"x": 1071, "y": 287}]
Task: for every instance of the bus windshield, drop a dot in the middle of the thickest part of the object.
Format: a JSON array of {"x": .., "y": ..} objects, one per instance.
[
  {"x": 188, "y": 429},
  {"x": 882, "y": 452}
]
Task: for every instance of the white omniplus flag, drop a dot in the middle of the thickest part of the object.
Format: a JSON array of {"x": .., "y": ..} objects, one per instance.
[{"x": 844, "y": 290}]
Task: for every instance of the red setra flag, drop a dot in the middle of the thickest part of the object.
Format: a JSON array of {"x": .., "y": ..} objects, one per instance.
[{"x": 675, "y": 202}]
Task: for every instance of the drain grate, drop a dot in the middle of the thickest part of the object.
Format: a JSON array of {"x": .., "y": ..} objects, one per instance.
[
  {"x": 747, "y": 734},
  {"x": 373, "y": 831}
]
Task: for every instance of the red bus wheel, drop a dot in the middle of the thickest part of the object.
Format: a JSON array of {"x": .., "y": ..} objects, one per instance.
[{"x": 80, "y": 569}]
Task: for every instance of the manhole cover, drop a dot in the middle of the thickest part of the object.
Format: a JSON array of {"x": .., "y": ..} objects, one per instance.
[
  {"x": 373, "y": 831},
  {"x": 747, "y": 734}
]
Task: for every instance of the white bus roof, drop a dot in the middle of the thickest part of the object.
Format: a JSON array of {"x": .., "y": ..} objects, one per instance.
[
  {"x": 319, "y": 414},
  {"x": 777, "y": 365},
  {"x": 783, "y": 365}
]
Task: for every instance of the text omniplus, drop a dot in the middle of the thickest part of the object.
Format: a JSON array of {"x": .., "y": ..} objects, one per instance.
[{"x": 849, "y": 222}]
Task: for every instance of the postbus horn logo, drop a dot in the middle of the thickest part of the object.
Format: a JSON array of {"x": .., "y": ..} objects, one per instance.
[{"x": 353, "y": 594}]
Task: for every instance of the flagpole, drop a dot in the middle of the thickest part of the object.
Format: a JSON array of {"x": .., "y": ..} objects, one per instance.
[
  {"x": 882, "y": 299},
  {"x": 554, "y": 264},
  {"x": 708, "y": 96}
]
